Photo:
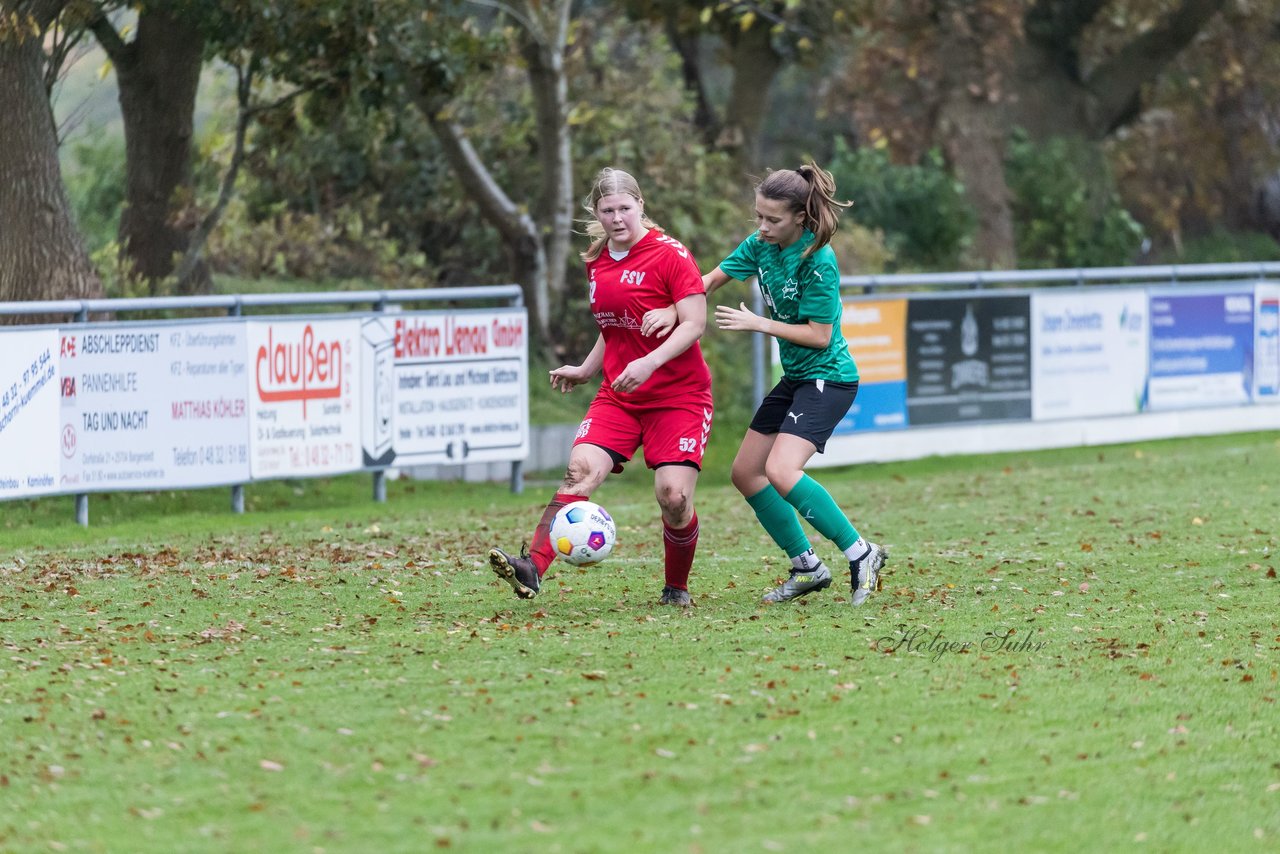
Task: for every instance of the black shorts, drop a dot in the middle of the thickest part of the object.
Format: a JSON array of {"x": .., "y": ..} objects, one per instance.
[{"x": 810, "y": 409}]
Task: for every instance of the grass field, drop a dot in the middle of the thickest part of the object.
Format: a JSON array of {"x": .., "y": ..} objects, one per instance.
[{"x": 1072, "y": 651}]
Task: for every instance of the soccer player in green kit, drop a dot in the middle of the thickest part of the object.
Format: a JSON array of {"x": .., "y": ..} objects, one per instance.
[{"x": 796, "y": 214}]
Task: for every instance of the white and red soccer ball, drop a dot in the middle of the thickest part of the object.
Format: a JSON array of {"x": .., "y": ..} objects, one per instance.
[{"x": 583, "y": 533}]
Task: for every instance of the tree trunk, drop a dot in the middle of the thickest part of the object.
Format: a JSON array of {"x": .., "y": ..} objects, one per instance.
[
  {"x": 1240, "y": 210},
  {"x": 1042, "y": 89},
  {"x": 544, "y": 56},
  {"x": 517, "y": 230},
  {"x": 755, "y": 64},
  {"x": 159, "y": 74},
  {"x": 42, "y": 255},
  {"x": 537, "y": 244},
  {"x": 687, "y": 46},
  {"x": 974, "y": 144},
  {"x": 973, "y": 124}
]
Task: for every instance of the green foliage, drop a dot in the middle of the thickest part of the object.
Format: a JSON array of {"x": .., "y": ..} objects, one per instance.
[
  {"x": 860, "y": 250},
  {"x": 326, "y": 672},
  {"x": 119, "y": 279},
  {"x": 349, "y": 243},
  {"x": 1226, "y": 247},
  {"x": 729, "y": 355},
  {"x": 1066, "y": 211},
  {"x": 921, "y": 209},
  {"x": 95, "y": 185}
]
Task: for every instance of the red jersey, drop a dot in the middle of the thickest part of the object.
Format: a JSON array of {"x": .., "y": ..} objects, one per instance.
[{"x": 657, "y": 272}]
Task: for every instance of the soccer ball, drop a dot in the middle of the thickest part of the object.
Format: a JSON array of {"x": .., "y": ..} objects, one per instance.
[{"x": 583, "y": 533}]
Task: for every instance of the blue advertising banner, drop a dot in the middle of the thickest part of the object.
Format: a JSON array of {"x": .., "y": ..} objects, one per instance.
[
  {"x": 1201, "y": 349},
  {"x": 879, "y": 406}
]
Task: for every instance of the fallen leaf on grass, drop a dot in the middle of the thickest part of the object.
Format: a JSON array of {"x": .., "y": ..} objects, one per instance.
[{"x": 230, "y": 630}]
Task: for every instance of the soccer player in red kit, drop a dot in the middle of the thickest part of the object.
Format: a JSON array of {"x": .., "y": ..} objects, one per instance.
[{"x": 656, "y": 392}]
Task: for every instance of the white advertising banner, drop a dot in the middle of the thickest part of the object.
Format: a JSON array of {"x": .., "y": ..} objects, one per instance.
[
  {"x": 446, "y": 387},
  {"x": 304, "y": 397},
  {"x": 1266, "y": 343},
  {"x": 28, "y": 413},
  {"x": 1088, "y": 353},
  {"x": 152, "y": 406}
]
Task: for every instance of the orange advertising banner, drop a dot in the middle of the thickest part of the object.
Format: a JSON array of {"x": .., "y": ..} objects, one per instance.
[{"x": 877, "y": 335}]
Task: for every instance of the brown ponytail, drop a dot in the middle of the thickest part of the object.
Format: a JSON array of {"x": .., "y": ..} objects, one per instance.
[{"x": 809, "y": 190}]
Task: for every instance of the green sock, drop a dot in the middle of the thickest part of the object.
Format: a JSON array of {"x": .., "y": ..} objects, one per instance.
[
  {"x": 779, "y": 521},
  {"x": 816, "y": 506}
]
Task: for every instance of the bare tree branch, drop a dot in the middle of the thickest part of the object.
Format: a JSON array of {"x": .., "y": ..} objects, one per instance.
[
  {"x": 109, "y": 38},
  {"x": 245, "y": 114},
  {"x": 495, "y": 205},
  {"x": 527, "y": 21},
  {"x": 1117, "y": 83},
  {"x": 1061, "y": 19}
]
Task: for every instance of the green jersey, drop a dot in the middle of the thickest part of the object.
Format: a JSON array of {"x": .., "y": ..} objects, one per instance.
[{"x": 797, "y": 289}]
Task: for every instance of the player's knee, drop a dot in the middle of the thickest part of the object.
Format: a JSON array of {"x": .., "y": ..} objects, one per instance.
[
  {"x": 780, "y": 475},
  {"x": 745, "y": 480},
  {"x": 581, "y": 477},
  {"x": 675, "y": 501}
]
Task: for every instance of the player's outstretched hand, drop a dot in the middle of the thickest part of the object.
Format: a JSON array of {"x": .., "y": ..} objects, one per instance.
[
  {"x": 568, "y": 377},
  {"x": 740, "y": 319},
  {"x": 659, "y": 321}
]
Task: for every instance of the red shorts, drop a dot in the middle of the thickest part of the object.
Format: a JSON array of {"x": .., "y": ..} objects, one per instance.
[{"x": 671, "y": 431}]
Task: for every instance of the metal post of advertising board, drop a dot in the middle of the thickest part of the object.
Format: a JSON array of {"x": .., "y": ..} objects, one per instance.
[
  {"x": 82, "y": 498},
  {"x": 237, "y": 490}
]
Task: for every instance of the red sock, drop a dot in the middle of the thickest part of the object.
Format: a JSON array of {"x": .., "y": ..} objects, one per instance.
[
  {"x": 542, "y": 551},
  {"x": 679, "y": 544}
]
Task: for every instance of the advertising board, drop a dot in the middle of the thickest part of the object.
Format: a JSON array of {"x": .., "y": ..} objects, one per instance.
[
  {"x": 446, "y": 387},
  {"x": 968, "y": 359},
  {"x": 876, "y": 332},
  {"x": 29, "y": 462},
  {"x": 304, "y": 402},
  {"x": 1089, "y": 353},
  {"x": 1201, "y": 348},
  {"x": 149, "y": 406},
  {"x": 1266, "y": 343}
]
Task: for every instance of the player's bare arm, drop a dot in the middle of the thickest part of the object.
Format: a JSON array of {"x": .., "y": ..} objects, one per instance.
[
  {"x": 660, "y": 321},
  {"x": 742, "y": 319},
  {"x": 715, "y": 280},
  {"x": 691, "y": 313},
  {"x": 568, "y": 377}
]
